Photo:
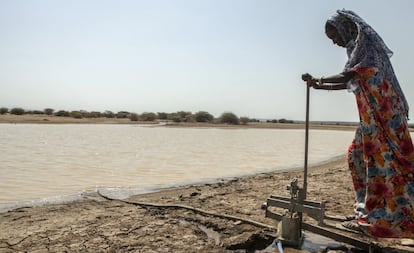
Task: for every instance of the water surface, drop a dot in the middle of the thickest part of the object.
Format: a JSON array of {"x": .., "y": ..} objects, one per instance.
[{"x": 46, "y": 162}]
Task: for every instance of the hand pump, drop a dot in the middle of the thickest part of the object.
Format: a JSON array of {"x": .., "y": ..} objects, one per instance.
[{"x": 291, "y": 222}]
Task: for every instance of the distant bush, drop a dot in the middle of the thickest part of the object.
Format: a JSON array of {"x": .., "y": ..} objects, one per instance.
[
  {"x": 181, "y": 116},
  {"x": 190, "y": 118},
  {"x": 175, "y": 117},
  {"x": 36, "y": 112},
  {"x": 229, "y": 118},
  {"x": 285, "y": 121},
  {"x": 48, "y": 111},
  {"x": 108, "y": 114},
  {"x": 134, "y": 117},
  {"x": 244, "y": 120},
  {"x": 4, "y": 110},
  {"x": 122, "y": 115},
  {"x": 202, "y": 116},
  {"x": 162, "y": 115},
  {"x": 93, "y": 114},
  {"x": 76, "y": 114},
  {"x": 148, "y": 116},
  {"x": 84, "y": 114},
  {"x": 62, "y": 113},
  {"x": 17, "y": 111}
]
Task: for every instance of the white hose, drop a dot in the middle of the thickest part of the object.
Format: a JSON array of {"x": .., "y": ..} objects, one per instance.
[{"x": 279, "y": 246}]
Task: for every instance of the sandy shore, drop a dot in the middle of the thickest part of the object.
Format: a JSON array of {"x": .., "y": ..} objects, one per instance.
[
  {"x": 45, "y": 119},
  {"x": 95, "y": 225}
]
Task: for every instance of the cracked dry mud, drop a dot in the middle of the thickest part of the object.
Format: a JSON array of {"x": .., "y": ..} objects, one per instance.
[{"x": 115, "y": 226}]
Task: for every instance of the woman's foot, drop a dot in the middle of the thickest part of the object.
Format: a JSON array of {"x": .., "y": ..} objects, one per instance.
[
  {"x": 350, "y": 217},
  {"x": 352, "y": 225}
]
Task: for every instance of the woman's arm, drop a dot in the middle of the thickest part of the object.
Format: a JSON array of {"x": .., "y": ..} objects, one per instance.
[
  {"x": 335, "y": 82},
  {"x": 336, "y": 86}
]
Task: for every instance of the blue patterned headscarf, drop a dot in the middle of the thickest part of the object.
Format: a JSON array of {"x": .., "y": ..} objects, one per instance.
[{"x": 366, "y": 49}]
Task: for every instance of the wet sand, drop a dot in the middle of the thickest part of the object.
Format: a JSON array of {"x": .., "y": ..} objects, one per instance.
[{"x": 97, "y": 225}]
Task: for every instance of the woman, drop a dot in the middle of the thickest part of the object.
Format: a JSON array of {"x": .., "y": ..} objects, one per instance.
[{"x": 381, "y": 157}]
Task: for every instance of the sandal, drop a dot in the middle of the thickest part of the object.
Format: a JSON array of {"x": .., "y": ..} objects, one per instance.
[
  {"x": 352, "y": 225},
  {"x": 350, "y": 217}
]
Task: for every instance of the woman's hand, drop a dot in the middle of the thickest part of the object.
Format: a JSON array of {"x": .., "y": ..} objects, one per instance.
[
  {"x": 310, "y": 80},
  {"x": 307, "y": 77},
  {"x": 336, "y": 82}
]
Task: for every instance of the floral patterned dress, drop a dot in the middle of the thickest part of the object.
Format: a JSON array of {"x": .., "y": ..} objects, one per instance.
[{"x": 381, "y": 159}]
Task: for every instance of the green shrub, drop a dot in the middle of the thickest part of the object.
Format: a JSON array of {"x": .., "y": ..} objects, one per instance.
[
  {"x": 108, "y": 114},
  {"x": 48, "y": 111},
  {"x": 62, "y": 113},
  {"x": 229, "y": 118},
  {"x": 4, "y": 110},
  {"x": 244, "y": 120},
  {"x": 93, "y": 114},
  {"x": 148, "y": 116},
  {"x": 162, "y": 115},
  {"x": 36, "y": 112},
  {"x": 285, "y": 121},
  {"x": 122, "y": 115},
  {"x": 175, "y": 117},
  {"x": 180, "y": 116},
  {"x": 202, "y": 116},
  {"x": 134, "y": 117},
  {"x": 76, "y": 114},
  {"x": 17, "y": 111}
]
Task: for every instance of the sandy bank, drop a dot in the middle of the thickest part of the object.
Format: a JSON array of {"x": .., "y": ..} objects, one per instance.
[{"x": 45, "y": 119}]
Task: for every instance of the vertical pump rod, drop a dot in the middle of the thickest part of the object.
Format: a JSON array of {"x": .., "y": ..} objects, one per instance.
[{"x": 305, "y": 167}]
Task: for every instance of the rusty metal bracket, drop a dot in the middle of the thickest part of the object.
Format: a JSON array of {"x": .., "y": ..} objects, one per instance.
[{"x": 316, "y": 210}]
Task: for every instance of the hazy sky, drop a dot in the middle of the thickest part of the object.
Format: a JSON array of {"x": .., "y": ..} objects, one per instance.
[{"x": 244, "y": 57}]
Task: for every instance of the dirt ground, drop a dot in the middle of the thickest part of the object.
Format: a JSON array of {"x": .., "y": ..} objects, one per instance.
[{"x": 98, "y": 225}]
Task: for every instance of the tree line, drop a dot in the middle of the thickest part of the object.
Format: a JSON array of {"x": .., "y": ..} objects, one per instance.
[{"x": 179, "y": 116}]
